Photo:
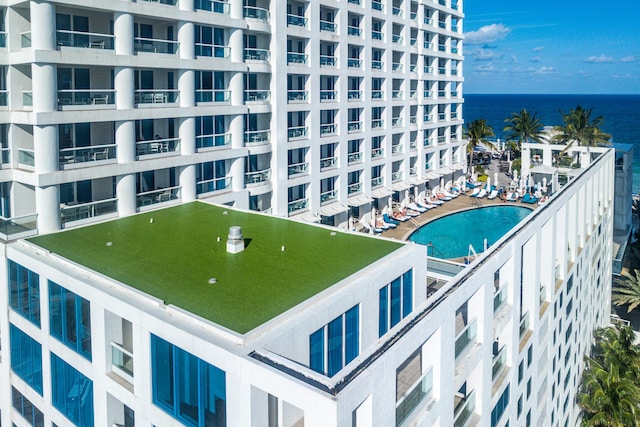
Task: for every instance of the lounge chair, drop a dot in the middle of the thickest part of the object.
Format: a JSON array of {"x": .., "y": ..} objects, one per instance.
[
  {"x": 434, "y": 200},
  {"x": 386, "y": 218},
  {"x": 493, "y": 195},
  {"x": 442, "y": 196},
  {"x": 482, "y": 193},
  {"x": 512, "y": 197},
  {"x": 475, "y": 192},
  {"x": 424, "y": 205},
  {"x": 415, "y": 207},
  {"x": 529, "y": 199},
  {"x": 368, "y": 227},
  {"x": 384, "y": 224},
  {"x": 399, "y": 217}
]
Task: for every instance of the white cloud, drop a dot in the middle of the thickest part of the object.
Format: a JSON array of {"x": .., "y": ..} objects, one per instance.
[
  {"x": 514, "y": 59},
  {"x": 545, "y": 70},
  {"x": 482, "y": 54},
  {"x": 599, "y": 59},
  {"x": 535, "y": 59},
  {"x": 485, "y": 67},
  {"x": 487, "y": 34},
  {"x": 537, "y": 48},
  {"x": 630, "y": 58}
]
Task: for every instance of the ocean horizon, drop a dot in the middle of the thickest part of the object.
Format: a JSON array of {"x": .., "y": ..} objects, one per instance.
[{"x": 621, "y": 114}]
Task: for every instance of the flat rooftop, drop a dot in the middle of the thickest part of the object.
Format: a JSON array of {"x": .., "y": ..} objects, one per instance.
[{"x": 172, "y": 253}]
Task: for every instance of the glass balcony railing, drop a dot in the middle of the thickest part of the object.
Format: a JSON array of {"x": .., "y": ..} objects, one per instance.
[
  {"x": 328, "y": 162},
  {"x": 156, "y": 96},
  {"x": 257, "y": 95},
  {"x": 377, "y": 152},
  {"x": 3, "y": 39},
  {"x": 354, "y": 63},
  {"x": 86, "y": 97},
  {"x": 25, "y": 39},
  {"x": 377, "y": 181},
  {"x": 466, "y": 337},
  {"x": 464, "y": 409},
  {"x": 377, "y": 94},
  {"x": 376, "y": 5},
  {"x": 327, "y": 61},
  {"x": 91, "y": 153},
  {"x": 213, "y": 140},
  {"x": 18, "y": 226},
  {"x": 397, "y": 149},
  {"x": 499, "y": 361},
  {"x": 84, "y": 39},
  {"x": 211, "y": 50},
  {"x": 328, "y": 95},
  {"x": 397, "y": 94},
  {"x": 157, "y": 146},
  {"x": 141, "y": 44},
  {"x": 81, "y": 211},
  {"x": 27, "y": 98},
  {"x": 396, "y": 38},
  {"x": 251, "y": 178},
  {"x": 213, "y": 95},
  {"x": 499, "y": 298},
  {"x": 4, "y": 95},
  {"x": 354, "y": 126},
  {"x": 354, "y": 157},
  {"x": 416, "y": 395},
  {"x": 5, "y": 156},
  {"x": 256, "y": 137},
  {"x": 213, "y": 185},
  {"x": 297, "y": 96},
  {"x": 377, "y": 123},
  {"x": 354, "y": 95},
  {"x": 296, "y": 20},
  {"x": 122, "y": 362},
  {"x": 354, "y": 188},
  {"x": 213, "y": 6},
  {"x": 397, "y": 66},
  {"x": 26, "y": 157},
  {"x": 328, "y": 26},
  {"x": 377, "y": 35},
  {"x": 397, "y": 11},
  {"x": 328, "y": 129},
  {"x": 396, "y": 176},
  {"x": 297, "y": 205},
  {"x": 296, "y": 58},
  {"x": 160, "y": 195},
  {"x": 396, "y": 122},
  {"x": 354, "y": 1},
  {"x": 167, "y": 2},
  {"x": 253, "y": 54},
  {"x": 354, "y": 31},
  {"x": 328, "y": 196},
  {"x": 297, "y": 132},
  {"x": 256, "y": 13},
  {"x": 377, "y": 65},
  {"x": 524, "y": 324}
]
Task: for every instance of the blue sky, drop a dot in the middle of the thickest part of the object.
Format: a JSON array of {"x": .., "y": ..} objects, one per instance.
[{"x": 552, "y": 46}]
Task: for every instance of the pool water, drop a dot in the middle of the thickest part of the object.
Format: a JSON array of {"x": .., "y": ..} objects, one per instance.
[{"x": 450, "y": 236}]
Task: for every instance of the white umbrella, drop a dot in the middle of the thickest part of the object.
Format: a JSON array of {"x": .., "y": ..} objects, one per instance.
[
  {"x": 495, "y": 179},
  {"x": 351, "y": 224},
  {"x": 515, "y": 175},
  {"x": 488, "y": 187},
  {"x": 544, "y": 184},
  {"x": 530, "y": 180},
  {"x": 521, "y": 184},
  {"x": 441, "y": 184},
  {"x": 473, "y": 173}
]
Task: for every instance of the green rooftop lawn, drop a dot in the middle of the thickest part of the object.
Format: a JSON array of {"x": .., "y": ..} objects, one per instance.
[{"x": 174, "y": 256}]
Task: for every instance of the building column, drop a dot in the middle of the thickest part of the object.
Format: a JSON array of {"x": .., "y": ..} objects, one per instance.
[
  {"x": 186, "y": 5},
  {"x": 126, "y": 141},
  {"x": 236, "y": 172},
  {"x": 236, "y": 11},
  {"x": 186, "y": 36},
  {"x": 236, "y": 45},
  {"x": 48, "y": 209},
  {"x": 186, "y": 87},
  {"x": 123, "y": 31},
  {"x": 43, "y": 25},
  {"x": 45, "y": 148},
  {"x": 188, "y": 183},
  {"x": 124, "y": 85},
  {"x": 126, "y": 193},
  {"x": 44, "y": 87},
  {"x": 187, "y": 135}
]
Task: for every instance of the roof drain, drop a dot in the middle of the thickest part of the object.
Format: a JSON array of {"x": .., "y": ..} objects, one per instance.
[{"x": 235, "y": 242}]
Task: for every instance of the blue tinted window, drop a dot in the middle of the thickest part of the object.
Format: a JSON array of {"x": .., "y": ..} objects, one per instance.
[
  {"x": 499, "y": 408},
  {"x": 396, "y": 295},
  {"x": 407, "y": 293},
  {"x": 190, "y": 389},
  {"x": 26, "y": 358},
  {"x": 342, "y": 346},
  {"x": 71, "y": 393},
  {"x": 28, "y": 410},
  {"x": 70, "y": 319},
  {"x": 316, "y": 350},
  {"x": 334, "y": 346},
  {"x": 24, "y": 292},
  {"x": 383, "y": 313},
  {"x": 351, "y": 334},
  {"x": 395, "y": 302}
]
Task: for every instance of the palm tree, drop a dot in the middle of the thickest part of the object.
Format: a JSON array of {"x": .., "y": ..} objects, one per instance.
[
  {"x": 477, "y": 133},
  {"x": 628, "y": 291},
  {"x": 580, "y": 129},
  {"x": 615, "y": 345},
  {"x": 523, "y": 127},
  {"x": 608, "y": 398}
]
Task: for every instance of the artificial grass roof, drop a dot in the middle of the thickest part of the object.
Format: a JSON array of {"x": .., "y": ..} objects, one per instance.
[{"x": 172, "y": 253}]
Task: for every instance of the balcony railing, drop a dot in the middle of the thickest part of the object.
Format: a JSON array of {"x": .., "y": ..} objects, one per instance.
[
  {"x": 26, "y": 157},
  {"x": 212, "y": 185},
  {"x": 397, "y": 94},
  {"x": 297, "y": 132},
  {"x": 256, "y": 137},
  {"x": 377, "y": 123},
  {"x": 156, "y": 96},
  {"x": 213, "y": 95},
  {"x": 155, "y": 45},
  {"x": 160, "y": 195},
  {"x": 354, "y": 126},
  {"x": 18, "y": 226},
  {"x": 464, "y": 409},
  {"x": 297, "y": 96},
  {"x": 297, "y": 205},
  {"x": 377, "y": 94},
  {"x": 416, "y": 395},
  {"x": 354, "y": 188},
  {"x": 377, "y": 65},
  {"x": 256, "y": 13},
  {"x": 259, "y": 177},
  {"x": 354, "y": 95},
  {"x": 328, "y": 162},
  {"x": 3, "y": 39},
  {"x": 213, "y": 6},
  {"x": 328, "y": 95},
  {"x": 253, "y": 54},
  {"x": 396, "y": 66},
  {"x": 413, "y": 41},
  {"x": 297, "y": 169},
  {"x": 328, "y": 196},
  {"x": 214, "y": 51},
  {"x": 86, "y": 97},
  {"x": 296, "y": 20},
  {"x": 395, "y": 38},
  {"x": 122, "y": 362},
  {"x": 397, "y": 149},
  {"x": 25, "y": 39},
  {"x": 396, "y": 176},
  {"x": 354, "y": 157},
  {"x": 524, "y": 324},
  {"x": 354, "y": 31},
  {"x": 499, "y": 361},
  {"x": 213, "y": 140},
  {"x": 257, "y": 95},
  {"x": 84, "y": 39},
  {"x": 328, "y": 129},
  {"x": 377, "y": 35},
  {"x": 396, "y": 11},
  {"x": 80, "y": 211},
  {"x": 5, "y": 156},
  {"x": 354, "y": 63},
  {"x": 377, "y": 181},
  {"x": 167, "y": 2},
  {"x": 90, "y": 153},
  {"x": 327, "y": 61},
  {"x": 396, "y": 122},
  {"x": 376, "y": 5},
  {"x": 328, "y": 26},
  {"x": 377, "y": 152},
  {"x": 466, "y": 337},
  {"x": 499, "y": 298},
  {"x": 296, "y": 58},
  {"x": 4, "y": 97},
  {"x": 157, "y": 146},
  {"x": 354, "y": 1}
]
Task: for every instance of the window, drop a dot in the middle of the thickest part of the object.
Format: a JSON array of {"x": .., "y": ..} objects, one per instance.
[
  {"x": 336, "y": 343},
  {"x": 24, "y": 292},
  {"x": 28, "y": 410},
  {"x": 70, "y": 319},
  {"x": 26, "y": 358},
  {"x": 71, "y": 393},
  {"x": 520, "y": 371},
  {"x": 396, "y": 302},
  {"x": 209, "y": 41},
  {"x": 188, "y": 388},
  {"x": 498, "y": 409},
  {"x": 530, "y": 355}
]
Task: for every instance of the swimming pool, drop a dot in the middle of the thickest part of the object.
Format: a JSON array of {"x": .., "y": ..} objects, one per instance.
[{"x": 450, "y": 236}]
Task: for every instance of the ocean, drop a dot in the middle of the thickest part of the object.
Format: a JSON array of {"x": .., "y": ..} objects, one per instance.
[{"x": 621, "y": 114}]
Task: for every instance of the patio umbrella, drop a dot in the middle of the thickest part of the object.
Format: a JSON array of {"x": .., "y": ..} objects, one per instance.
[
  {"x": 515, "y": 175},
  {"x": 544, "y": 185},
  {"x": 473, "y": 173},
  {"x": 488, "y": 187},
  {"x": 521, "y": 184},
  {"x": 441, "y": 184},
  {"x": 530, "y": 180},
  {"x": 495, "y": 179}
]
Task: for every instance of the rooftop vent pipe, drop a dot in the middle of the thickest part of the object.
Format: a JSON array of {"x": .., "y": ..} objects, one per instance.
[{"x": 235, "y": 242}]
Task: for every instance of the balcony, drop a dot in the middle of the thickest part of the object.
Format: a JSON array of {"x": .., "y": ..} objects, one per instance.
[
  {"x": 328, "y": 95},
  {"x": 328, "y": 162},
  {"x": 328, "y": 26},
  {"x": 328, "y": 196},
  {"x": 354, "y": 95},
  {"x": 354, "y": 188},
  {"x": 354, "y": 126},
  {"x": 170, "y": 47},
  {"x": 354, "y": 157},
  {"x": 86, "y": 97},
  {"x": 413, "y": 120},
  {"x": 213, "y": 185},
  {"x": 377, "y": 94},
  {"x": 427, "y": 20},
  {"x": 296, "y": 20},
  {"x": 524, "y": 324},
  {"x": 376, "y": 5},
  {"x": 258, "y": 13},
  {"x": 214, "y": 51},
  {"x": 297, "y": 205},
  {"x": 257, "y": 96},
  {"x": 253, "y": 54},
  {"x": 213, "y": 140},
  {"x": 442, "y": 48},
  {"x": 159, "y": 96},
  {"x": 354, "y": 63},
  {"x": 18, "y": 226},
  {"x": 297, "y": 132},
  {"x": 377, "y": 124},
  {"x": 377, "y": 153},
  {"x": 297, "y": 169},
  {"x": 328, "y": 129},
  {"x": 354, "y": 31},
  {"x": 3, "y": 39},
  {"x": 152, "y": 197},
  {"x": 377, "y": 181},
  {"x": 158, "y": 146},
  {"x": 214, "y": 6},
  {"x": 464, "y": 409},
  {"x": 213, "y": 95},
  {"x": 297, "y": 96},
  {"x": 66, "y": 38},
  {"x": 327, "y": 61},
  {"x": 260, "y": 177},
  {"x": 499, "y": 362},
  {"x": 377, "y": 35},
  {"x": 296, "y": 58},
  {"x": 354, "y": 1},
  {"x": 26, "y": 157},
  {"x": 499, "y": 298},
  {"x": 413, "y": 170},
  {"x": 397, "y": 11},
  {"x": 122, "y": 362},
  {"x": 427, "y": 45},
  {"x": 396, "y": 122},
  {"x": 396, "y": 39},
  {"x": 414, "y": 397},
  {"x": 397, "y": 149},
  {"x": 397, "y": 66},
  {"x": 396, "y": 176},
  {"x": 465, "y": 338},
  {"x": 397, "y": 94},
  {"x": 4, "y": 98},
  {"x": 256, "y": 137},
  {"x": 377, "y": 65},
  {"x": 91, "y": 153},
  {"x": 79, "y": 211},
  {"x": 25, "y": 40},
  {"x": 413, "y": 41}
]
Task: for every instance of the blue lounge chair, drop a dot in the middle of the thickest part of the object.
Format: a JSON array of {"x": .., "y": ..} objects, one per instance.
[{"x": 389, "y": 220}]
